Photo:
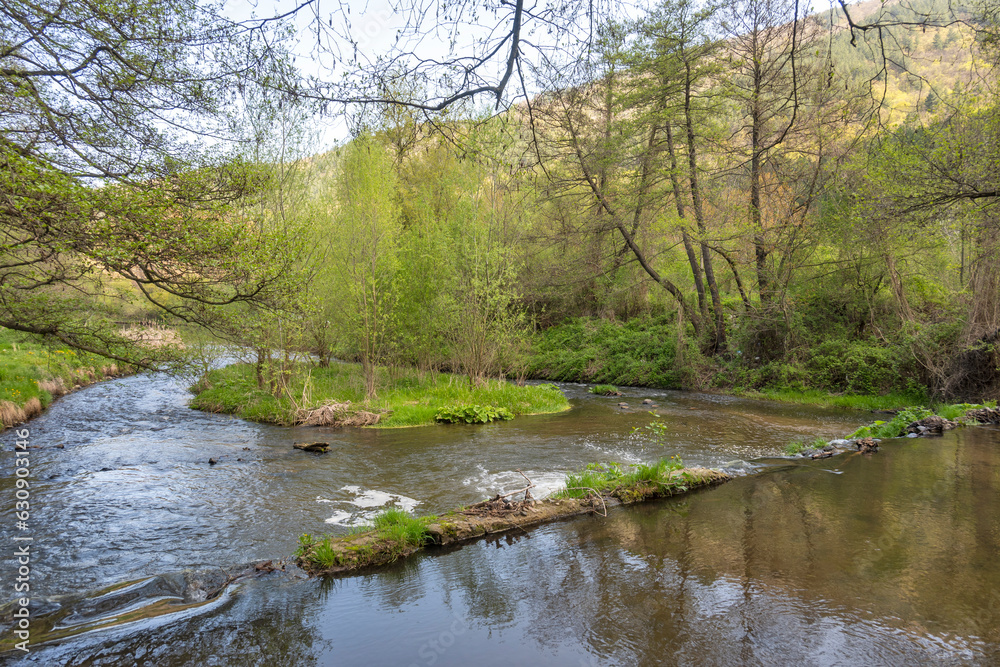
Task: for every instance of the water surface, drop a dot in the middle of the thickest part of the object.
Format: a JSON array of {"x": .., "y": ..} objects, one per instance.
[{"x": 884, "y": 559}]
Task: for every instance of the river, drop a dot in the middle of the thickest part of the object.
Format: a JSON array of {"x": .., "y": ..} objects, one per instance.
[{"x": 883, "y": 559}]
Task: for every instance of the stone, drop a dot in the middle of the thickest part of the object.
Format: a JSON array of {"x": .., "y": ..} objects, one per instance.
[
  {"x": 933, "y": 425},
  {"x": 318, "y": 447},
  {"x": 867, "y": 445}
]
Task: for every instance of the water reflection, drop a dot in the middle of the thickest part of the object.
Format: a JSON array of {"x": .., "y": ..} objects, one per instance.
[
  {"x": 891, "y": 562},
  {"x": 132, "y": 495}
]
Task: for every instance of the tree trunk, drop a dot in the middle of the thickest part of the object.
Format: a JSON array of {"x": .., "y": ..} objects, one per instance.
[
  {"x": 699, "y": 283},
  {"x": 699, "y": 215}
]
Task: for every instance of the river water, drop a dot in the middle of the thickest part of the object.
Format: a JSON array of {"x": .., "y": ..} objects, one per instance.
[{"x": 883, "y": 559}]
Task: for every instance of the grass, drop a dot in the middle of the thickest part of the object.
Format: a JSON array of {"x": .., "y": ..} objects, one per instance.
[
  {"x": 896, "y": 426},
  {"x": 395, "y": 534},
  {"x": 32, "y": 374},
  {"x": 627, "y": 483},
  {"x": 411, "y": 397},
  {"x": 605, "y": 390},
  {"x": 798, "y": 446},
  {"x": 893, "y": 401}
]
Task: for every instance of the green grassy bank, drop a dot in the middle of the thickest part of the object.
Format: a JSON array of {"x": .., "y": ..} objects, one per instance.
[
  {"x": 32, "y": 374},
  {"x": 405, "y": 398},
  {"x": 864, "y": 375}
]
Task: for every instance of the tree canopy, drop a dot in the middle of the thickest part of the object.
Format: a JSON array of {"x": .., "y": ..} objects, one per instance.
[{"x": 128, "y": 160}]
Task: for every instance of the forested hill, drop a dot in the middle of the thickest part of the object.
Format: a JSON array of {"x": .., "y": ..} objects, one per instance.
[
  {"x": 770, "y": 207},
  {"x": 910, "y": 70}
]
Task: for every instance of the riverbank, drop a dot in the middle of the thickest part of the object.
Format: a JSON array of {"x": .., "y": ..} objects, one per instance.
[
  {"x": 335, "y": 396},
  {"x": 397, "y": 535},
  {"x": 32, "y": 375},
  {"x": 648, "y": 352}
]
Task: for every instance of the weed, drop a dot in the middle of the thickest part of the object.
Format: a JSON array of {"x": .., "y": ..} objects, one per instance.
[
  {"x": 656, "y": 430},
  {"x": 605, "y": 390},
  {"x": 896, "y": 427}
]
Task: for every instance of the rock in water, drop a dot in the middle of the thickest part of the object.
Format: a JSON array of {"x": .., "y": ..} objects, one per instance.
[
  {"x": 931, "y": 425},
  {"x": 320, "y": 447},
  {"x": 867, "y": 445}
]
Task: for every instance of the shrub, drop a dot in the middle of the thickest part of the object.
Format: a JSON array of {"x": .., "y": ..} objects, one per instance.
[{"x": 472, "y": 414}]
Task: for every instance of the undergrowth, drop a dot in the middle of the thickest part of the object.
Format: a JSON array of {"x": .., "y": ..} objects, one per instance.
[{"x": 472, "y": 414}]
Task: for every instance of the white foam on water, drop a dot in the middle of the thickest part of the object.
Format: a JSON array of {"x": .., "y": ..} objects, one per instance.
[
  {"x": 489, "y": 484},
  {"x": 340, "y": 518},
  {"x": 371, "y": 502},
  {"x": 617, "y": 454},
  {"x": 376, "y": 498}
]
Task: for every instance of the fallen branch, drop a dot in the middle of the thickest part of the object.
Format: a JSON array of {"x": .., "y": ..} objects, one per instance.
[{"x": 594, "y": 491}]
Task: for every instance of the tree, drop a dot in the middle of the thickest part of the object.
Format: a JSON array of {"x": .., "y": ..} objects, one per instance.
[
  {"x": 364, "y": 254},
  {"x": 105, "y": 188}
]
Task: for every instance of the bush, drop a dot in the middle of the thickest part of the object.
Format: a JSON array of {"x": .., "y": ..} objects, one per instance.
[
  {"x": 639, "y": 352},
  {"x": 472, "y": 414},
  {"x": 859, "y": 367}
]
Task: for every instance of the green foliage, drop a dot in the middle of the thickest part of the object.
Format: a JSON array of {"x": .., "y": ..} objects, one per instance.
[
  {"x": 174, "y": 224},
  {"x": 639, "y": 352},
  {"x": 395, "y": 533},
  {"x": 896, "y": 427},
  {"x": 624, "y": 481},
  {"x": 956, "y": 411},
  {"x": 400, "y": 527},
  {"x": 605, "y": 390},
  {"x": 357, "y": 279},
  {"x": 893, "y": 428},
  {"x": 410, "y": 398},
  {"x": 472, "y": 414},
  {"x": 656, "y": 430},
  {"x": 797, "y": 446},
  {"x": 30, "y": 369},
  {"x": 857, "y": 367}
]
